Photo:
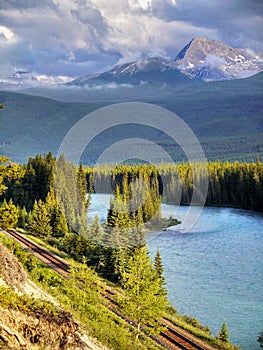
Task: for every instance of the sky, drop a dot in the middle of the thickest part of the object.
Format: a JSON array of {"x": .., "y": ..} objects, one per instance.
[{"x": 73, "y": 38}]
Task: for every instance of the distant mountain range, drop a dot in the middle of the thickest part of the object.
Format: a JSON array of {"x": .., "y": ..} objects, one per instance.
[{"x": 201, "y": 60}]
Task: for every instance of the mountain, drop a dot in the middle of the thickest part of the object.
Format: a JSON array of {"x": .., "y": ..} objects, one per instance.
[
  {"x": 211, "y": 60},
  {"x": 201, "y": 59},
  {"x": 154, "y": 71}
]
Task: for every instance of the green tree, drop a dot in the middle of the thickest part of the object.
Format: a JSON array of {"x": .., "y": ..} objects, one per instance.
[
  {"x": 68, "y": 197},
  {"x": 3, "y": 171},
  {"x": 223, "y": 333},
  {"x": 144, "y": 300},
  {"x": 96, "y": 232},
  {"x": 40, "y": 220},
  {"x": 82, "y": 185},
  {"x": 159, "y": 269},
  {"x": 118, "y": 214},
  {"x": 58, "y": 221},
  {"x": 23, "y": 218},
  {"x": 9, "y": 214},
  {"x": 260, "y": 339},
  {"x": 158, "y": 264}
]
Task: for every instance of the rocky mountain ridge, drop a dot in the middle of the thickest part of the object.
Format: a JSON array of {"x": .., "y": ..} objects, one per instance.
[{"x": 211, "y": 60}]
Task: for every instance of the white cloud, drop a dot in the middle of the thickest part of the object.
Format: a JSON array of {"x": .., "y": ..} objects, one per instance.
[
  {"x": 7, "y": 36},
  {"x": 65, "y": 37}
]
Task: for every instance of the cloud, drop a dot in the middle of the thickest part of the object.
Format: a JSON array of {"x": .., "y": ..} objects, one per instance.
[
  {"x": 75, "y": 38},
  {"x": 236, "y": 22},
  {"x": 89, "y": 87},
  {"x": 212, "y": 61}
]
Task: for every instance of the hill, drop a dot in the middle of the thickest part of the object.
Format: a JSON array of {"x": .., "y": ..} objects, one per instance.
[
  {"x": 226, "y": 116},
  {"x": 31, "y": 124}
]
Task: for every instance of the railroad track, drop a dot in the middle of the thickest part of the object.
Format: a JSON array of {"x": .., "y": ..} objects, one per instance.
[
  {"x": 48, "y": 258},
  {"x": 180, "y": 340},
  {"x": 170, "y": 339}
]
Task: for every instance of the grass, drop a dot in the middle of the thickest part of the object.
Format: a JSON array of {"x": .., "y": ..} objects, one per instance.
[
  {"x": 193, "y": 326},
  {"x": 11, "y": 300}
]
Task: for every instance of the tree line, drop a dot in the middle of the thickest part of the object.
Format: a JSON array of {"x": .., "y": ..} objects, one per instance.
[{"x": 235, "y": 184}]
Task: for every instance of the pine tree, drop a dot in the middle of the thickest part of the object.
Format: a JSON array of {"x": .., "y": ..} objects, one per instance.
[
  {"x": 40, "y": 220},
  {"x": 118, "y": 214},
  {"x": 23, "y": 218},
  {"x": 136, "y": 236},
  {"x": 82, "y": 185},
  {"x": 60, "y": 227},
  {"x": 223, "y": 333},
  {"x": 144, "y": 303},
  {"x": 158, "y": 264},
  {"x": 9, "y": 214},
  {"x": 159, "y": 270},
  {"x": 260, "y": 339},
  {"x": 58, "y": 221},
  {"x": 68, "y": 196},
  {"x": 3, "y": 172},
  {"x": 96, "y": 232}
]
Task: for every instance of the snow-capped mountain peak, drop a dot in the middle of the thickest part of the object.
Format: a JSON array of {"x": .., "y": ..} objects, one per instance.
[{"x": 210, "y": 60}]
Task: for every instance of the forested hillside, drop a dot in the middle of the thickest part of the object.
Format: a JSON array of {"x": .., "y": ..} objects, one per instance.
[
  {"x": 31, "y": 124},
  {"x": 225, "y": 116}
]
